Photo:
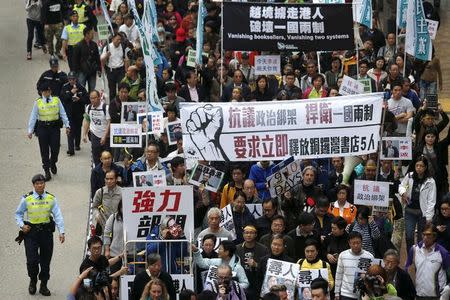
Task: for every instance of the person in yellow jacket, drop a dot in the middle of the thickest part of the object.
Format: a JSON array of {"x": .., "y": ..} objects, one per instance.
[
  {"x": 45, "y": 122},
  {"x": 236, "y": 184},
  {"x": 313, "y": 262},
  {"x": 71, "y": 35},
  {"x": 44, "y": 215}
]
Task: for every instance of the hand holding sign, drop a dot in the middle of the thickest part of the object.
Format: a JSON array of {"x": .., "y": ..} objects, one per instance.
[{"x": 204, "y": 127}]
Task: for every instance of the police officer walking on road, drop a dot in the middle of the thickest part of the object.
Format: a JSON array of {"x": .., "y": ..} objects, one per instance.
[
  {"x": 43, "y": 214},
  {"x": 71, "y": 35},
  {"x": 45, "y": 122}
]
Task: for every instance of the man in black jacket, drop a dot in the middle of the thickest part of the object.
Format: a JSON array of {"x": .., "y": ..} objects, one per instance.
[
  {"x": 86, "y": 60},
  {"x": 53, "y": 77},
  {"x": 154, "y": 269},
  {"x": 398, "y": 277},
  {"x": 74, "y": 98}
]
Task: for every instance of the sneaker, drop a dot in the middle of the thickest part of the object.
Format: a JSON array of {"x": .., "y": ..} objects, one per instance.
[
  {"x": 29, "y": 56},
  {"x": 37, "y": 46}
]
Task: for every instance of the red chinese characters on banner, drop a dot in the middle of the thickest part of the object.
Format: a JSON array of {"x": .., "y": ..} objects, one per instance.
[
  {"x": 267, "y": 146},
  {"x": 167, "y": 201}
]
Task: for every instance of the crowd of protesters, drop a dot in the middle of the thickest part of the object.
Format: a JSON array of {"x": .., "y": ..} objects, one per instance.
[{"x": 316, "y": 224}]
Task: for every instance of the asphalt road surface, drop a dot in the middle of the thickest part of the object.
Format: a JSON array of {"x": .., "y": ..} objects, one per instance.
[{"x": 20, "y": 160}]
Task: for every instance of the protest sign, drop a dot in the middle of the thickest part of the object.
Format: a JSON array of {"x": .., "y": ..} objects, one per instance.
[
  {"x": 130, "y": 110},
  {"x": 255, "y": 209},
  {"x": 226, "y": 220},
  {"x": 287, "y": 27},
  {"x": 280, "y": 272},
  {"x": 267, "y": 65},
  {"x": 363, "y": 266},
  {"x": 103, "y": 31},
  {"x": 145, "y": 207},
  {"x": 211, "y": 275},
  {"x": 288, "y": 176},
  {"x": 151, "y": 123},
  {"x": 396, "y": 148},
  {"x": 432, "y": 28},
  {"x": 367, "y": 85},
  {"x": 371, "y": 193},
  {"x": 432, "y": 101},
  {"x": 304, "y": 129},
  {"x": 207, "y": 177},
  {"x": 305, "y": 277},
  {"x": 125, "y": 135},
  {"x": 174, "y": 132},
  {"x": 149, "y": 178},
  {"x": 191, "y": 58},
  {"x": 351, "y": 86}
]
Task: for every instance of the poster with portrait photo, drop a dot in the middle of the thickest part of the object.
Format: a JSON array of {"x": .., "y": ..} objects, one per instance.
[
  {"x": 130, "y": 111},
  {"x": 174, "y": 132},
  {"x": 206, "y": 176},
  {"x": 305, "y": 277},
  {"x": 280, "y": 272},
  {"x": 151, "y": 123},
  {"x": 149, "y": 178},
  {"x": 396, "y": 148}
]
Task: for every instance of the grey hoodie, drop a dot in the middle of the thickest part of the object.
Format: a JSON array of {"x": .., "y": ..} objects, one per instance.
[{"x": 33, "y": 8}]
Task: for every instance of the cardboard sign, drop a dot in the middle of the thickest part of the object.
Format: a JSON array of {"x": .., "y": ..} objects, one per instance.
[
  {"x": 207, "y": 177},
  {"x": 280, "y": 272},
  {"x": 371, "y": 193},
  {"x": 149, "y": 178},
  {"x": 130, "y": 110},
  {"x": 174, "y": 132},
  {"x": 191, "y": 58},
  {"x": 396, "y": 148},
  {"x": 226, "y": 220},
  {"x": 151, "y": 123},
  {"x": 287, "y": 177},
  {"x": 255, "y": 209},
  {"x": 125, "y": 135},
  {"x": 351, "y": 86},
  {"x": 367, "y": 85},
  {"x": 103, "y": 31},
  {"x": 432, "y": 28},
  {"x": 267, "y": 65}
]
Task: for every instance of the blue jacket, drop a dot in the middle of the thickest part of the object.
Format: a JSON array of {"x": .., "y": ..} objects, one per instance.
[
  {"x": 259, "y": 175},
  {"x": 170, "y": 252},
  {"x": 240, "y": 221},
  {"x": 140, "y": 165}
]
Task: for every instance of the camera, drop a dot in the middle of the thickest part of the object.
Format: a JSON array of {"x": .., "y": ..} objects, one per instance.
[{"x": 99, "y": 279}]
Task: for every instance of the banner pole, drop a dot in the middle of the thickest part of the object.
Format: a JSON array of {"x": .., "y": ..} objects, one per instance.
[
  {"x": 318, "y": 62},
  {"x": 221, "y": 49}
]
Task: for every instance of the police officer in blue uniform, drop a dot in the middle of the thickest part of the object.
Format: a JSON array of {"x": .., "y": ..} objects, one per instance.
[
  {"x": 45, "y": 121},
  {"x": 43, "y": 214},
  {"x": 53, "y": 77}
]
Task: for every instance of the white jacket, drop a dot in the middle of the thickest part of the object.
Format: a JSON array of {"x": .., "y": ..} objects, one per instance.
[{"x": 427, "y": 194}]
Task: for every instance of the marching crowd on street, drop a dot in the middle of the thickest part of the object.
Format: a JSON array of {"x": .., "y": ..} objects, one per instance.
[{"x": 316, "y": 224}]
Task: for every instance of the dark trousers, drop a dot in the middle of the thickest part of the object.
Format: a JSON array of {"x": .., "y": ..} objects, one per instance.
[
  {"x": 39, "y": 250},
  {"x": 74, "y": 136},
  {"x": 70, "y": 57},
  {"x": 114, "y": 77},
  {"x": 97, "y": 148},
  {"x": 49, "y": 143},
  {"x": 31, "y": 25},
  {"x": 346, "y": 298}
]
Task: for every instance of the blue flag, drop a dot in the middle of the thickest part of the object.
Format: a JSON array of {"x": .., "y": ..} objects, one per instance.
[
  {"x": 199, "y": 34},
  {"x": 418, "y": 41}
]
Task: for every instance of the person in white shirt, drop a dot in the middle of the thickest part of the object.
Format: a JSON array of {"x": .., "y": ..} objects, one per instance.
[
  {"x": 130, "y": 29},
  {"x": 114, "y": 61},
  {"x": 96, "y": 125},
  {"x": 401, "y": 107},
  {"x": 347, "y": 266}
]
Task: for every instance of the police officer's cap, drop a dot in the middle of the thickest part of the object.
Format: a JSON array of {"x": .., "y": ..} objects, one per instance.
[
  {"x": 45, "y": 86},
  {"x": 53, "y": 61},
  {"x": 72, "y": 75},
  {"x": 73, "y": 12},
  {"x": 37, "y": 177}
]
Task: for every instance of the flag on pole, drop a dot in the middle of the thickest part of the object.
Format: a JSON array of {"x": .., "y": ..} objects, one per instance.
[
  {"x": 106, "y": 15},
  {"x": 362, "y": 12},
  {"x": 402, "y": 6},
  {"x": 199, "y": 34},
  {"x": 418, "y": 41},
  {"x": 146, "y": 32}
]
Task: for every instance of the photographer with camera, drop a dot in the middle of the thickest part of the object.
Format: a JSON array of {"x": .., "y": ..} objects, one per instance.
[
  {"x": 374, "y": 286},
  {"x": 90, "y": 284},
  {"x": 225, "y": 287},
  {"x": 96, "y": 259}
]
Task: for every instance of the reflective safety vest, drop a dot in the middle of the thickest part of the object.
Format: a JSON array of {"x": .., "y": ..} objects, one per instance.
[
  {"x": 39, "y": 210},
  {"x": 48, "y": 111},
  {"x": 81, "y": 12},
  {"x": 74, "y": 34}
]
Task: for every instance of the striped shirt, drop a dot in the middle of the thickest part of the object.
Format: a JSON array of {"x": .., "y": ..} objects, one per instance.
[{"x": 347, "y": 267}]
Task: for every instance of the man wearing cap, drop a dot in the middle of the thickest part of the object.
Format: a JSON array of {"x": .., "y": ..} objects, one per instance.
[
  {"x": 74, "y": 98},
  {"x": 53, "y": 78},
  {"x": 71, "y": 35},
  {"x": 85, "y": 13},
  {"x": 43, "y": 214},
  {"x": 45, "y": 122}
]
